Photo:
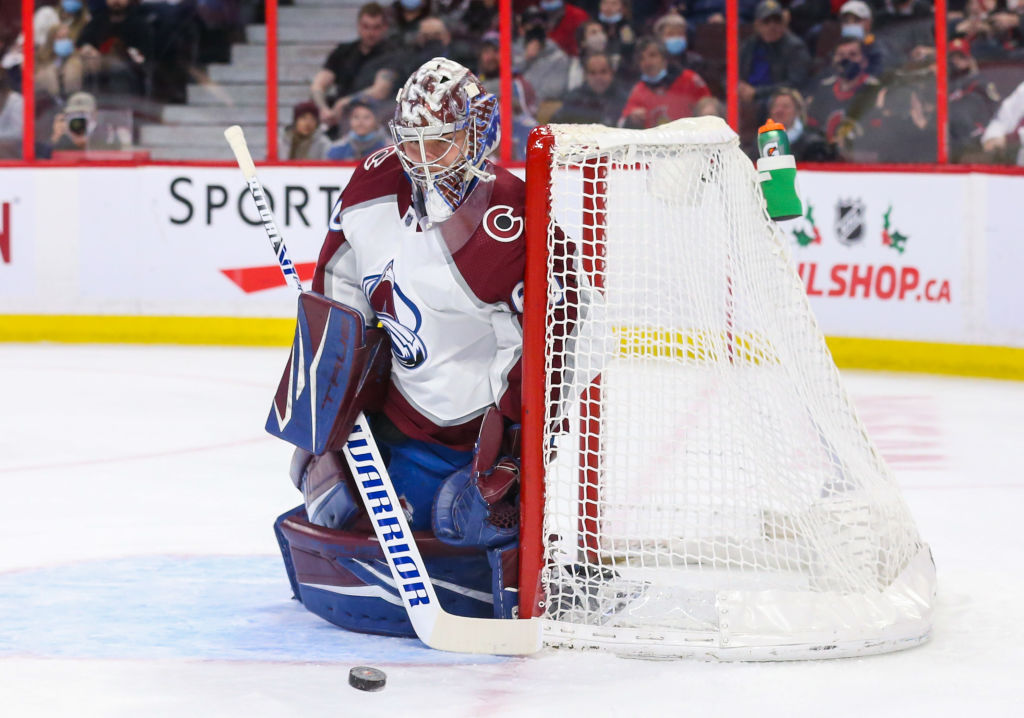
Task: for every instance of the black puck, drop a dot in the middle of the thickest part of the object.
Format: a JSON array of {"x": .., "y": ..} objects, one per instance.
[{"x": 367, "y": 679}]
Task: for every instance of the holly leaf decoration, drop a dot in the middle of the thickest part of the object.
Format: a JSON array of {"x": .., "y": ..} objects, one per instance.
[{"x": 802, "y": 238}]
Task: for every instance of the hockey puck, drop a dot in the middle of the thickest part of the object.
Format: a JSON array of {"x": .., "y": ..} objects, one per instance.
[{"x": 367, "y": 679}]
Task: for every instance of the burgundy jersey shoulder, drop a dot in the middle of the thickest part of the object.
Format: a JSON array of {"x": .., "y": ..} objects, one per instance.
[
  {"x": 493, "y": 261},
  {"x": 378, "y": 175},
  {"x": 508, "y": 189}
]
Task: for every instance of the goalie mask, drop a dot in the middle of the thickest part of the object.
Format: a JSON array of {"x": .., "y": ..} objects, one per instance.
[{"x": 445, "y": 126}]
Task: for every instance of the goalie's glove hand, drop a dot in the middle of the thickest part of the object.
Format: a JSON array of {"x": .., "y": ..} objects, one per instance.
[{"x": 474, "y": 508}]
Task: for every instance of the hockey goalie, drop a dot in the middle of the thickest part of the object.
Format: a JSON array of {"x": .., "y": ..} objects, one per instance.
[{"x": 421, "y": 275}]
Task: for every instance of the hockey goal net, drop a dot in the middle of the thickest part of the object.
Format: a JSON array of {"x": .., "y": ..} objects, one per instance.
[{"x": 696, "y": 480}]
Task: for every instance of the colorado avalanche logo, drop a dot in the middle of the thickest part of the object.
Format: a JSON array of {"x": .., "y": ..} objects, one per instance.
[
  {"x": 378, "y": 157},
  {"x": 501, "y": 224},
  {"x": 392, "y": 307}
]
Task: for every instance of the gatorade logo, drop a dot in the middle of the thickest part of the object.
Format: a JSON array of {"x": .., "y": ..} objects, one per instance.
[{"x": 771, "y": 149}]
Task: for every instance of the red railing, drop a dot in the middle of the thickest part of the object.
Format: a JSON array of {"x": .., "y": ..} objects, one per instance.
[{"x": 507, "y": 104}]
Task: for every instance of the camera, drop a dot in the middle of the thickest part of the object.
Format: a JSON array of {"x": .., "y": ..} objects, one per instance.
[{"x": 78, "y": 123}]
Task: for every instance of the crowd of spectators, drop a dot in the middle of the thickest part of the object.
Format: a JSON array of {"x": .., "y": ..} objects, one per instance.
[
  {"x": 853, "y": 80},
  {"x": 121, "y": 50}
]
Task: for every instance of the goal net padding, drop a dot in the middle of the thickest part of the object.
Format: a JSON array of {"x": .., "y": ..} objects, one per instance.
[{"x": 696, "y": 481}]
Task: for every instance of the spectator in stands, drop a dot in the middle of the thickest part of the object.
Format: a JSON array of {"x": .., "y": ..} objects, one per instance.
[
  {"x": 661, "y": 95},
  {"x": 12, "y": 109},
  {"x": 75, "y": 15},
  {"x": 524, "y": 102},
  {"x": 407, "y": 15},
  {"x": 353, "y": 66},
  {"x": 772, "y": 56},
  {"x": 450, "y": 13},
  {"x": 672, "y": 29},
  {"x": 54, "y": 74},
  {"x": 540, "y": 60},
  {"x": 599, "y": 100},
  {"x": 77, "y": 128},
  {"x": 709, "y": 106},
  {"x": 615, "y": 18},
  {"x": 480, "y": 17},
  {"x": 807, "y": 144},
  {"x": 12, "y": 57},
  {"x": 113, "y": 49},
  {"x": 591, "y": 38},
  {"x": 855, "y": 20},
  {"x": 973, "y": 101},
  {"x": 365, "y": 135},
  {"x": 488, "y": 64},
  {"x": 699, "y": 12},
  {"x": 562, "y": 21},
  {"x": 433, "y": 40},
  {"x": 303, "y": 139},
  {"x": 906, "y": 29},
  {"x": 807, "y": 17},
  {"x": 848, "y": 90},
  {"x": 1004, "y": 134},
  {"x": 993, "y": 31},
  {"x": 899, "y": 125},
  {"x": 220, "y": 23}
]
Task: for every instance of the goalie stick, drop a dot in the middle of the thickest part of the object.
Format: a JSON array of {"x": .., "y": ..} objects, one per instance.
[{"x": 434, "y": 626}]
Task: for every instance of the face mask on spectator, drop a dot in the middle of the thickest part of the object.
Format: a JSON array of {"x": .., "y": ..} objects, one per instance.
[
  {"x": 596, "y": 42},
  {"x": 551, "y": 5},
  {"x": 848, "y": 69},
  {"x": 853, "y": 30},
  {"x": 610, "y": 19},
  {"x": 654, "y": 79},
  {"x": 71, "y": 7},
  {"x": 64, "y": 46},
  {"x": 411, "y": 4},
  {"x": 794, "y": 132},
  {"x": 676, "y": 45},
  {"x": 364, "y": 138}
]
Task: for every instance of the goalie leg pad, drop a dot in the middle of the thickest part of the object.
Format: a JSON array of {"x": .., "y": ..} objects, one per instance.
[{"x": 343, "y": 577}]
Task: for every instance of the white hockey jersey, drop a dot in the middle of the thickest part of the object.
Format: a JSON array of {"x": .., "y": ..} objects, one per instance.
[{"x": 449, "y": 296}]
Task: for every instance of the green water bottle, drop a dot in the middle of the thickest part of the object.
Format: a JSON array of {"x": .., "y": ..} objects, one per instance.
[{"x": 776, "y": 170}]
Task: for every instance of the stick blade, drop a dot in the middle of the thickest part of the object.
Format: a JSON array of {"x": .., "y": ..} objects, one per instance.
[{"x": 508, "y": 637}]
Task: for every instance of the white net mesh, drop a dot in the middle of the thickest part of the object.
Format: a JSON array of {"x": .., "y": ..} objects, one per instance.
[{"x": 709, "y": 488}]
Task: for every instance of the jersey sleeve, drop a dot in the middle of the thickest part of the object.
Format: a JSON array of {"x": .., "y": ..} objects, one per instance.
[{"x": 506, "y": 375}]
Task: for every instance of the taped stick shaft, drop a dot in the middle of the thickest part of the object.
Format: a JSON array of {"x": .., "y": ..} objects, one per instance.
[{"x": 236, "y": 139}]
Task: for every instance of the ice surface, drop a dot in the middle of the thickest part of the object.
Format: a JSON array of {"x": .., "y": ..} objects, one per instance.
[{"x": 139, "y": 573}]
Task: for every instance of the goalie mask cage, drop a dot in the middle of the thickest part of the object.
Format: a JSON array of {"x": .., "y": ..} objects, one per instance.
[{"x": 696, "y": 480}]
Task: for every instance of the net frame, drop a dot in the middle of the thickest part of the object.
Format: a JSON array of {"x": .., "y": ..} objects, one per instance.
[{"x": 843, "y": 615}]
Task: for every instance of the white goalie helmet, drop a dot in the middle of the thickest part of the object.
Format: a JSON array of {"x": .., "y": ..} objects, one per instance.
[{"x": 445, "y": 126}]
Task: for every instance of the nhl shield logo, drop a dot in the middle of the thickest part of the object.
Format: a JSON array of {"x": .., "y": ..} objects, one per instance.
[{"x": 850, "y": 221}]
